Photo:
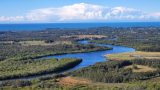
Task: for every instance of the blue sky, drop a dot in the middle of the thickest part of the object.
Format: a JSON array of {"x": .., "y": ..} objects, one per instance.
[{"x": 13, "y": 11}]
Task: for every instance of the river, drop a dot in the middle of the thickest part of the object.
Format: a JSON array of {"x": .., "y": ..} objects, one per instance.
[{"x": 89, "y": 58}]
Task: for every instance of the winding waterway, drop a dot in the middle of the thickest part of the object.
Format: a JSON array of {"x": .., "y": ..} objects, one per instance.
[{"x": 91, "y": 58}]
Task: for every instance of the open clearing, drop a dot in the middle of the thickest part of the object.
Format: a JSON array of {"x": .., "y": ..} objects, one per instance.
[
  {"x": 86, "y": 36},
  {"x": 71, "y": 81},
  {"x": 43, "y": 43},
  {"x": 140, "y": 68},
  {"x": 90, "y": 36},
  {"x": 134, "y": 55}
]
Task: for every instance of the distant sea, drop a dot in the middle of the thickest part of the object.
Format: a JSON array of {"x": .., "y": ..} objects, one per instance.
[{"x": 43, "y": 26}]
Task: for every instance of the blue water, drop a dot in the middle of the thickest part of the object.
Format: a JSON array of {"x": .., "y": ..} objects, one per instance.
[
  {"x": 32, "y": 27},
  {"x": 91, "y": 58}
]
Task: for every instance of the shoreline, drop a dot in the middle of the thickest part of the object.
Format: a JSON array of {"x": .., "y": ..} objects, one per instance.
[
  {"x": 41, "y": 74},
  {"x": 74, "y": 52}
]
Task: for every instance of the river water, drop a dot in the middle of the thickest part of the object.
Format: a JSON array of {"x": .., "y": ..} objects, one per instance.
[{"x": 91, "y": 58}]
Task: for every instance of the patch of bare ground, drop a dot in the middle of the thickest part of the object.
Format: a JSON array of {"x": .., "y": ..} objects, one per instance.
[
  {"x": 74, "y": 81},
  {"x": 85, "y": 36},
  {"x": 140, "y": 68},
  {"x": 43, "y": 43},
  {"x": 71, "y": 81}
]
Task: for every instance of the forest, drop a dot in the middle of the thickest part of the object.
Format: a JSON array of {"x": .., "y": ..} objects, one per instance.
[
  {"x": 15, "y": 69},
  {"x": 22, "y": 57},
  {"x": 141, "y": 38},
  {"x": 110, "y": 75},
  {"x": 17, "y": 51},
  {"x": 114, "y": 71}
]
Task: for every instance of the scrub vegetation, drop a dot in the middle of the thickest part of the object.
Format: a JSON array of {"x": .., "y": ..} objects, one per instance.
[
  {"x": 111, "y": 75},
  {"x": 116, "y": 72},
  {"x": 22, "y": 52},
  {"x": 11, "y": 69},
  {"x": 17, "y": 51}
]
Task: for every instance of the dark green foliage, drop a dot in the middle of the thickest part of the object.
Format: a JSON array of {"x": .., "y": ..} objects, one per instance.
[
  {"x": 16, "y": 59},
  {"x": 23, "y": 68},
  {"x": 152, "y": 63},
  {"x": 16, "y": 83},
  {"x": 141, "y": 38},
  {"x": 113, "y": 71},
  {"x": 17, "y": 51},
  {"x": 105, "y": 72},
  {"x": 140, "y": 45}
]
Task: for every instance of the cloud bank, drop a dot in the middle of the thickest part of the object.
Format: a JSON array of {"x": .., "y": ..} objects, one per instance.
[{"x": 83, "y": 12}]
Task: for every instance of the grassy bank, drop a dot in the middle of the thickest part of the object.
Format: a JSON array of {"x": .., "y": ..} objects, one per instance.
[{"x": 134, "y": 55}]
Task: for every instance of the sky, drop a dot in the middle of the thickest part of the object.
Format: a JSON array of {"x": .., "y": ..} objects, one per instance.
[{"x": 53, "y": 11}]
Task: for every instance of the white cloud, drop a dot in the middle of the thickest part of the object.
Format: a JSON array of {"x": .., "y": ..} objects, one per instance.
[
  {"x": 83, "y": 12},
  {"x": 10, "y": 19},
  {"x": 155, "y": 15},
  {"x": 80, "y": 11}
]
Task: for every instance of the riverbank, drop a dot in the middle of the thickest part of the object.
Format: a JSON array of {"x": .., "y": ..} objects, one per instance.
[
  {"x": 32, "y": 68},
  {"x": 88, "y": 59},
  {"x": 103, "y": 76},
  {"x": 37, "y": 51},
  {"x": 134, "y": 55},
  {"x": 73, "y": 52}
]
